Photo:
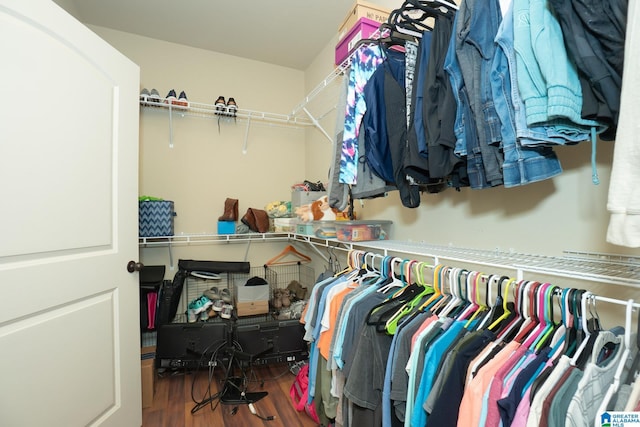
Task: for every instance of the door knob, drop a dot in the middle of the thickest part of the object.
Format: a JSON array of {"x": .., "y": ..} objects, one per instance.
[{"x": 134, "y": 266}]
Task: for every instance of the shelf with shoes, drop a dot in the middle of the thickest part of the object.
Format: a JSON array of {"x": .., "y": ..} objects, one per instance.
[{"x": 230, "y": 112}]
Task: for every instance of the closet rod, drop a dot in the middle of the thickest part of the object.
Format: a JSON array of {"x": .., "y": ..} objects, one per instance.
[
  {"x": 616, "y": 301},
  {"x": 624, "y": 274}
]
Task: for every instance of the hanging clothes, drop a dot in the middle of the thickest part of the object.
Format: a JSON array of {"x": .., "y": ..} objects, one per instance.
[
  {"x": 594, "y": 33},
  {"x": 623, "y": 202},
  {"x": 365, "y": 61},
  {"x": 522, "y": 164}
]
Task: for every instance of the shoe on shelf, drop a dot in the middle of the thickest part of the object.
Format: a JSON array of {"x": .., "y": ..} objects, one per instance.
[
  {"x": 211, "y": 312},
  {"x": 196, "y": 307},
  {"x": 171, "y": 97},
  {"x": 154, "y": 97},
  {"x": 217, "y": 305},
  {"x": 227, "y": 311},
  {"x": 204, "y": 315},
  {"x": 182, "y": 100},
  {"x": 213, "y": 294},
  {"x": 277, "y": 299},
  {"x": 230, "y": 210},
  {"x": 286, "y": 298},
  {"x": 221, "y": 105},
  {"x": 225, "y": 295},
  {"x": 232, "y": 107},
  {"x": 200, "y": 304},
  {"x": 144, "y": 96}
]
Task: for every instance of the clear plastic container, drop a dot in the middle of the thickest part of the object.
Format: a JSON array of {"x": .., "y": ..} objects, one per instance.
[
  {"x": 361, "y": 231},
  {"x": 325, "y": 229},
  {"x": 321, "y": 229}
]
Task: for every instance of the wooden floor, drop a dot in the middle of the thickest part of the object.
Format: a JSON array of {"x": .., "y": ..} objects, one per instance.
[{"x": 173, "y": 402}]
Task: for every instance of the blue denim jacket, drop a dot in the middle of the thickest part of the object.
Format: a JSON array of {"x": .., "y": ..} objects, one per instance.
[
  {"x": 477, "y": 24},
  {"x": 522, "y": 165},
  {"x": 465, "y": 124}
]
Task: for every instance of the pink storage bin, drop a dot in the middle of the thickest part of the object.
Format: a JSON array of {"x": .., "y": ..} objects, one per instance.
[{"x": 364, "y": 28}]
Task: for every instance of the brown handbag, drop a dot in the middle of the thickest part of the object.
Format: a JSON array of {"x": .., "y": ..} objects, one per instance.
[{"x": 256, "y": 220}]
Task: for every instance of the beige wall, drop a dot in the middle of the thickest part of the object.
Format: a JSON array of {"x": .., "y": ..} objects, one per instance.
[{"x": 207, "y": 163}]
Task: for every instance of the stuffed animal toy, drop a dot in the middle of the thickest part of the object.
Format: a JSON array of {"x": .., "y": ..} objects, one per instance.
[{"x": 318, "y": 210}]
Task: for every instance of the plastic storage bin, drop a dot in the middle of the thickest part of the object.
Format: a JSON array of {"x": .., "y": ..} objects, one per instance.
[
  {"x": 360, "y": 231},
  {"x": 321, "y": 229},
  {"x": 285, "y": 225}
]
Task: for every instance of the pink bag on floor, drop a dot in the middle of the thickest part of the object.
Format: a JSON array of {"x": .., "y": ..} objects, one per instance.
[{"x": 299, "y": 393}]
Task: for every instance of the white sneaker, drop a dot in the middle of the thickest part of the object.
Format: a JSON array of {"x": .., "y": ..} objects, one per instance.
[
  {"x": 213, "y": 294},
  {"x": 218, "y": 305},
  {"x": 225, "y": 295},
  {"x": 226, "y": 312},
  {"x": 192, "y": 316}
]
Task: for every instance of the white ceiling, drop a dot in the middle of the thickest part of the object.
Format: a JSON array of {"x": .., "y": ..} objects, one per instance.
[{"x": 290, "y": 33}]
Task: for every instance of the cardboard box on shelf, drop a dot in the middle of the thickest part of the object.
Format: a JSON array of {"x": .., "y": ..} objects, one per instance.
[
  {"x": 362, "y": 9},
  {"x": 252, "y": 308}
]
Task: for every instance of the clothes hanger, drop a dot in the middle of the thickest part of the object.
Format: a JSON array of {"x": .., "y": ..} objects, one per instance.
[
  {"x": 395, "y": 282},
  {"x": 567, "y": 319},
  {"x": 444, "y": 3},
  {"x": 453, "y": 277},
  {"x": 506, "y": 312},
  {"x": 491, "y": 282},
  {"x": 398, "y": 300},
  {"x": 470, "y": 303},
  {"x": 477, "y": 307},
  {"x": 405, "y": 19},
  {"x": 540, "y": 296},
  {"x": 289, "y": 250},
  {"x": 521, "y": 318},
  {"x": 410, "y": 306},
  {"x": 551, "y": 325},
  {"x": 399, "y": 296},
  {"x": 613, "y": 388},
  {"x": 529, "y": 306},
  {"x": 581, "y": 355},
  {"x": 437, "y": 292},
  {"x": 441, "y": 275}
]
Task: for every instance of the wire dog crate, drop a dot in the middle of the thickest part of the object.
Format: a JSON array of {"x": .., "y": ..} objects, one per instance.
[{"x": 278, "y": 277}]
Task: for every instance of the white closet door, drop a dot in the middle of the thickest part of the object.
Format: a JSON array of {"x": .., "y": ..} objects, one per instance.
[{"x": 69, "y": 324}]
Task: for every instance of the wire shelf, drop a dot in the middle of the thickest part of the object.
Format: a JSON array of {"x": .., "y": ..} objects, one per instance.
[
  {"x": 208, "y": 111},
  {"x": 596, "y": 267}
]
